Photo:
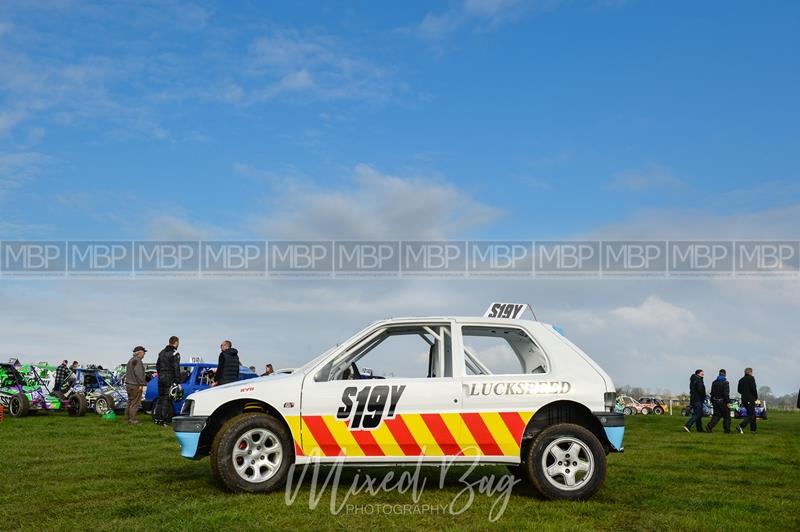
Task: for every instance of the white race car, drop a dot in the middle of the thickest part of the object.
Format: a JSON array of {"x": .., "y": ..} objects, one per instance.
[{"x": 492, "y": 390}]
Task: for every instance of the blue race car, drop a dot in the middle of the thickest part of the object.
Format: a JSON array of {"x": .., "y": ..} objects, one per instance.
[{"x": 194, "y": 376}]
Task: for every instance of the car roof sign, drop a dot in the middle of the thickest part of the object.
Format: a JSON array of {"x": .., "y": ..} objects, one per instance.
[{"x": 505, "y": 310}]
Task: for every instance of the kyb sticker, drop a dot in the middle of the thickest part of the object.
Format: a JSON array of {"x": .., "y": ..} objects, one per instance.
[{"x": 370, "y": 406}]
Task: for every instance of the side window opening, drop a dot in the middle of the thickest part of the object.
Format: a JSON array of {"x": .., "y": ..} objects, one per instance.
[
  {"x": 407, "y": 351},
  {"x": 501, "y": 351}
]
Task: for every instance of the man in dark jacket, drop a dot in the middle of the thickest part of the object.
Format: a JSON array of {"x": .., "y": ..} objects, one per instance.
[
  {"x": 228, "y": 365},
  {"x": 697, "y": 395},
  {"x": 135, "y": 384},
  {"x": 720, "y": 397},
  {"x": 167, "y": 366},
  {"x": 749, "y": 392}
]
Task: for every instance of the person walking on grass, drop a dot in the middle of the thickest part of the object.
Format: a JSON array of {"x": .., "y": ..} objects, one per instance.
[
  {"x": 135, "y": 384},
  {"x": 697, "y": 395},
  {"x": 747, "y": 389},
  {"x": 720, "y": 397},
  {"x": 228, "y": 365}
]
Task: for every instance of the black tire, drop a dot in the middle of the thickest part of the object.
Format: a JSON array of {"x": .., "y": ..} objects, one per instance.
[
  {"x": 645, "y": 411},
  {"x": 658, "y": 410},
  {"x": 104, "y": 403},
  {"x": 541, "y": 457},
  {"x": 230, "y": 438},
  {"x": 628, "y": 411},
  {"x": 77, "y": 405},
  {"x": 764, "y": 414},
  {"x": 19, "y": 406},
  {"x": 684, "y": 412}
]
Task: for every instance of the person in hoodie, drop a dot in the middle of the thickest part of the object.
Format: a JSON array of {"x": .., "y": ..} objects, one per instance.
[
  {"x": 720, "y": 397},
  {"x": 228, "y": 365},
  {"x": 697, "y": 395}
]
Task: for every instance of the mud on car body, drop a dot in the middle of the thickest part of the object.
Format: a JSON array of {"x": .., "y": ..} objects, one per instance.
[{"x": 462, "y": 389}]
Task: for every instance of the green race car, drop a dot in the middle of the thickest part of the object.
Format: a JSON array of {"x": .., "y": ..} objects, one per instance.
[{"x": 22, "y": 393}]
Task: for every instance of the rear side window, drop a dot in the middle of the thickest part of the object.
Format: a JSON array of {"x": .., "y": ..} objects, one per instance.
[{"x": 501, "y": 351}]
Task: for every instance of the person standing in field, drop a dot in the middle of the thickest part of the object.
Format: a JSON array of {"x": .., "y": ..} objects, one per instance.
[
  {"x": 228, "y": 364},
  {"x": 135, "y": 384},
  {"x": 720, "y": 396},
  {"x": 62, "y": 376},
  {"x": 167, "y": 367},
  {"x": 697, "y": 395},
  {"x": 747, "y": 389}
]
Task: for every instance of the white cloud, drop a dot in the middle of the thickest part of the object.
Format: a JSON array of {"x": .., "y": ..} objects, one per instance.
[
  {"x": 479, "y": 15},
  {"x": 656, "y": 316},
  {"x": 376, "y": 206},
  {"x": 18, "y": 168},
  {"x": 286, "y": 61},
  {"x": 651, "y": 177}
]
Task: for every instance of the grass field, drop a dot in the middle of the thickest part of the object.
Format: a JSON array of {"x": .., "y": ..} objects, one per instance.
[{"x": 61, "y": 473}]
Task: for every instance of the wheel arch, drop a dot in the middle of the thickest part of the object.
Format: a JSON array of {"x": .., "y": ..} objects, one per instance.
[
  {"x": 563, "y": 412},
  {"x": 231, "y": 409}
]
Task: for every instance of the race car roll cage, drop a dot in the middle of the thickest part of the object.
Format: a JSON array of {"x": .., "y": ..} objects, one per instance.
[{"x": 439, "y": 337}]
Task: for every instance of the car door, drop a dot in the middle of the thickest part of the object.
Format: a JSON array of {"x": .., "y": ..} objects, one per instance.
[{"x": 389, "y": 396}]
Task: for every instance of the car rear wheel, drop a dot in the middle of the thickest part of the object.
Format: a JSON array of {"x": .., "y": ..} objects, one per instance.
[
  {"x": 566, "y": 461},
  {"x": 764, "y": 414},
  {"x": 104, "y": 404},
  {"x": 77, "y": 405},
  {"x": 19, "y": 406},
  {"x": 252, "y": 453},
  {"x": 627, "y": 411},
  {"x": 645, "y": 411}
]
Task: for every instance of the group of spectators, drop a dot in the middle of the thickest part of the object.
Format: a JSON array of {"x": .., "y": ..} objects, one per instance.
[
  {"x": 169, "y": 375},
  {"x": 720, "y": 397}
]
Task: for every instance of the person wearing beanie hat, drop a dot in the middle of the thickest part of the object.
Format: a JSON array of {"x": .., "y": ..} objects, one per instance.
[{"x": 135, "y": 383}]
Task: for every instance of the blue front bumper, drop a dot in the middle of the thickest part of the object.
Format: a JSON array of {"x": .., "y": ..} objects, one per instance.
[
  {"x": 187, "y": 431},
  {"x": 614, "y": 427}
]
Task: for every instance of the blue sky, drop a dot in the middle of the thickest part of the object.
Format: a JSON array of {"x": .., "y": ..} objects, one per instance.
[
  {"x": 477, "y": 119},
  {"x": 563, "y": 115}
]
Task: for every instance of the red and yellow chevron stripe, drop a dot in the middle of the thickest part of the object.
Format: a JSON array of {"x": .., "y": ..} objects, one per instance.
[{"x": 452, "y": 434}]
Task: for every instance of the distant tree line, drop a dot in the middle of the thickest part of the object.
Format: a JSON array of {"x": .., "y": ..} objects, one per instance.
[{"x": 778, "y": 402}]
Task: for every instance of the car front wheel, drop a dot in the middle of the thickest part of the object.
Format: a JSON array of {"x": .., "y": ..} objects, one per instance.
[
  {"x": 252, "y": 453},
  {"x": 566, "y": 461},
  {"x": 19, "y": 406}
]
